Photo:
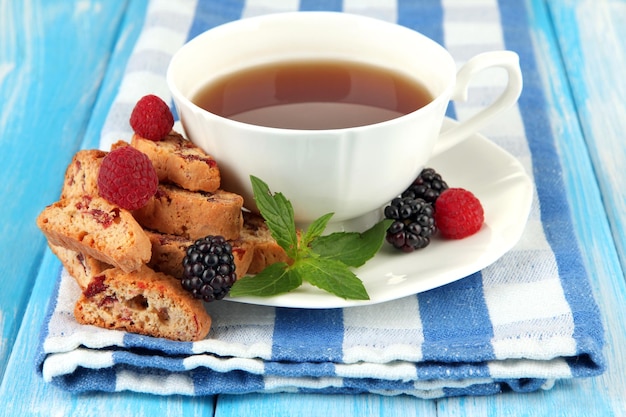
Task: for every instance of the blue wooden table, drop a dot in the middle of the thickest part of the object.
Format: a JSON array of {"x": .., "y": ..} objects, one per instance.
[{"x": 60, "y": 65}]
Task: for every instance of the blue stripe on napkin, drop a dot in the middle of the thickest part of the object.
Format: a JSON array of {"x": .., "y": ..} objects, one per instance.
[
  {"x": 425, "y": 17},
  {"x": 86, "y": 380},
  {"x": 456, "y": 322},
  {"x": 550, "y": 187},
  {"x": 209, "y": 382},
  {"x": 144, "y": 358},
  {"x": 209, "y": 14},
  {"x": 136, "y": 341},
  {"x": 321, "y": 5},
  {"x": 319, "y": 335}
]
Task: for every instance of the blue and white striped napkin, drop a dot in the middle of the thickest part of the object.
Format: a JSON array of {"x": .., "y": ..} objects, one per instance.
[{"x": 519, "y": 324}]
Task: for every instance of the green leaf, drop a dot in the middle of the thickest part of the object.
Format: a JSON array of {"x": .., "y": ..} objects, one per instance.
[
  {"x": 332, "y": 276},
  {"x": 315, "y": 229},
  {"x": 353, "y": 249},
  {"x": 323, "y": 261},
  {"x": 278, "y": 214},
  {"x": 276, "y": 279}
]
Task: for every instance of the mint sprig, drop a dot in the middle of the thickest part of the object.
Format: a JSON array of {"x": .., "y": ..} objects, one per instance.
[
  {"x": 324, "y": 261},
  {"x": 278, "y": 214}
]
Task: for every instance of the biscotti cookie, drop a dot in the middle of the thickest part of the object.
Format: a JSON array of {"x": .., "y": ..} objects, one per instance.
[
  {"x": 168, "y": 252},
  {"x": 266, "y": 250},
  {"x": 81, "y": 175},
  {"x": 179, "y": 161},
  {"x": 145, "y": 302},
  {"x": 95, "y": 227},
  {"x": 80, "y": 266},
  {"x": 193, "y": 215}
]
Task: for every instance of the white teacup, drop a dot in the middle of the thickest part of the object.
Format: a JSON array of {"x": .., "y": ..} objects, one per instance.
[{"x": 347, "y": 171}]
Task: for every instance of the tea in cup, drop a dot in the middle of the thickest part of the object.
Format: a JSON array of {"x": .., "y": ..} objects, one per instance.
[{"x": 338, "y": 112}]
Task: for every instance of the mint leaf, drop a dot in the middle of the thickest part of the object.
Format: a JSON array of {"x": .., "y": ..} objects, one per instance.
[
  {"x": 315, "y": 229},
  {"x": 323, "y": 261},
  {"x": 334, "y": 277},
  {"x": 278, "y": 214},
  {"x": 353, "y": 249},
  {"x": 276, "y": 279}
]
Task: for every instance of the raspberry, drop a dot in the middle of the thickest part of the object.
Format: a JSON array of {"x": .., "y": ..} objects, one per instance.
[
  {"x": 428, "y": 185},
  {"x": 151, "y": 118},
  {"x": 209, "y": 268},
  {"x": 458, "y": 213},
  {"x": 127, "y": 178},
  {"x": 413, "y": 223}
]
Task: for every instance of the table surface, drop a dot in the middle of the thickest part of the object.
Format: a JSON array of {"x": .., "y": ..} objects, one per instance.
[{"x": 60, "y": 65}]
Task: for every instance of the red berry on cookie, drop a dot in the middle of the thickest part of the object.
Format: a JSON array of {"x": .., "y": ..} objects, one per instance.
[
  {"x": 151, "y": 118},
  {"x": 458, "y": 213},
  {"x": 127, "y": 178}
]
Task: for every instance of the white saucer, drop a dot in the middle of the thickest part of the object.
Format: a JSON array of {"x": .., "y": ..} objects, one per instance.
[{"x": 505, "y": 191}]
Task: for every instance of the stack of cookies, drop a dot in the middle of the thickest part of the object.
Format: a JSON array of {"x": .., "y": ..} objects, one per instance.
[{"x": 129, "y": 263}]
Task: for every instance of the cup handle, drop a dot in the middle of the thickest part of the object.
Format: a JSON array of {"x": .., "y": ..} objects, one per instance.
[{"x": 505, "y": 59}]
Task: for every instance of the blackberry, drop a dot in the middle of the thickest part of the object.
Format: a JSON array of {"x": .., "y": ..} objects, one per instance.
[
  {"x": 209, "y": 268},
  {"x": 428, "y": 185},
  {"x": 413, "y": 225}
]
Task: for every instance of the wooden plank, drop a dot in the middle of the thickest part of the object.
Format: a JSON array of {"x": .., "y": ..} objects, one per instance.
[
  {"x": 604, "y": 395},
  {"x": 592, "y": 39},
  {"x": 306, "y": 405},
  {"x": 52, "y": 60},
  {"x": 592, "y": 36},
  {"x": 129, "y": 30}
]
